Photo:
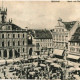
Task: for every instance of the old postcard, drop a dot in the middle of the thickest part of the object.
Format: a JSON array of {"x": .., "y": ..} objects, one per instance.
[{"x": 40, "y": 40}]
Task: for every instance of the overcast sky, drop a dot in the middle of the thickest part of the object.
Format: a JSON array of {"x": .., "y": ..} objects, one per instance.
[{"x": 41, "y": 14}]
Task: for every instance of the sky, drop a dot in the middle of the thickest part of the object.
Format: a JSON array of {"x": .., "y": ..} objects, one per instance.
[{"x": 41, "y": 14}]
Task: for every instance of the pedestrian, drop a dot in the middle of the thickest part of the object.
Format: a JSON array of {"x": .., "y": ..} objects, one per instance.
[
  {"x": 4, "y": 73},
  {"x": 6, "y": 63}
]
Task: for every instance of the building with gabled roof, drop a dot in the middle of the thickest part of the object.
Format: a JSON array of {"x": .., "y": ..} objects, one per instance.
[
  {"x": 62, "y": 34},
  {"x": 13, "y": 39},
  {"x": 74, "y": 42},
  {"x": 74, "y": 45},
  {"x": 41, "y": 39},
  {"x": 69, "y": 25}
]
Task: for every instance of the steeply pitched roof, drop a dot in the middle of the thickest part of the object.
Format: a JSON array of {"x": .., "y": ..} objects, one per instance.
[
  {"x": 15, "y": 27},
  {"x": 52, "y": 30},
  {"x": 69, "y": 25},
  {"x": 76, "y": 36},
  {"x": 41, "y": 34}
]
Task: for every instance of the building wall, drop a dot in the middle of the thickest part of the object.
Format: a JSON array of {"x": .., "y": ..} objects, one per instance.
[
  {"x": 74, "y": 48},
  {"x": 12, "y": 42},
  {"x": 41, "y": 44},
  {"x": 60, "y": 37},
  {"x": 72, "y": 31}
]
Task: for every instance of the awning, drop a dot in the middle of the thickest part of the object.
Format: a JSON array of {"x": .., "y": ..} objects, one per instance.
[
  {"x": 55, "y": 65},
  {"x": 42, "y": 65},
  {"x": 34, "y": 57},
  {"x": 58, "y": 52},
  {"x": 49, "y": 61},
  {"x": 32, "y": 73},
  {"x": 72, "y": 56}
]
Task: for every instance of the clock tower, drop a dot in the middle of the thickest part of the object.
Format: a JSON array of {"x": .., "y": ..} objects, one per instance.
[{"x": 3, "y": 15}]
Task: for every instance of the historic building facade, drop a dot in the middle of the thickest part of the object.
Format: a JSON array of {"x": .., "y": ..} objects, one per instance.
[
  {"x": 62, "y": 33},
  {"x": 13, "y": 39},
  {"x": 41, "y": 40},
  {"x": 74, "y": 46},
  {"x": 74, "y": 43}
]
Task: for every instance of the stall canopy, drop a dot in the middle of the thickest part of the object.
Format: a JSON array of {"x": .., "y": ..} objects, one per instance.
[
  {"x": 58, "y": 52},
  {"x": 73, "y": 56},
  {"x": 55, "y": 65}
]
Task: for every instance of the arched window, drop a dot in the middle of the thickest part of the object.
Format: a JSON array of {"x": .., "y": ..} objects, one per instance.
[
  {"x": 2, "y": 35},
  {"x": 13, "y": 43},
  {"x": 8, "y": 35},
  {"x": 3, "y": 44},
  {"x": 5, "y": 53},
  {"x": 23, "y": 49},
  {"x": 23, "y": 35},
  {"x": 13, "y": 35},
  {"x": 18, "y": 43},
  {"x": 8, "y": 43},
  {"x": 18, "y": 35},
  {"x": 18, "y": 50},
  {"x": 23, "y": 42},
  {"x": 10, "y": 54},
  {"x": 3, "y": 18},
  {"x": 0, "y": 53},
  {"x": 30, "y": 51}
]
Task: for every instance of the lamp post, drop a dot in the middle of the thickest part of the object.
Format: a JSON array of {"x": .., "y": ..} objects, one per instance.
[
  {"x": 26, "y": 41},
  {"x": 66, "y": 63},
  {"x": 65, "y": 69}
]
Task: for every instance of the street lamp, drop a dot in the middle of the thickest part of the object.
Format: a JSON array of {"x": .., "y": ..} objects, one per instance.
[
  {"x": 66, "y": 61},
  {"x": 26, "y": 41}
]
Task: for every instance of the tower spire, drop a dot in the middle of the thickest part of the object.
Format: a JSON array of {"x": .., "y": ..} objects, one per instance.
[{"x": 2, "y": 4}]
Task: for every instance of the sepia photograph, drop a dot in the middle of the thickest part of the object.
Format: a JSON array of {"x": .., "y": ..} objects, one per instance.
[{"x": 39, "y": 40}]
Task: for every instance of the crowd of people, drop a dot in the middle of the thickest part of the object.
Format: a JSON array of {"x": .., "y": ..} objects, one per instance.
[{"x": 37, "y": 67}]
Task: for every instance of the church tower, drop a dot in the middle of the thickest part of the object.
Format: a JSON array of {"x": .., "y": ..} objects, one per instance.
[{"x": 3, "y": 15}]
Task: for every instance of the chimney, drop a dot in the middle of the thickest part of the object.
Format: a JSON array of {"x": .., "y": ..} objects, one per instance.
[
  {"x": 26, "y": 28},
  {"x": 11, "y": 20},
  {"x": 6, "y": 9},
  {"x": 60, "y": 19}
]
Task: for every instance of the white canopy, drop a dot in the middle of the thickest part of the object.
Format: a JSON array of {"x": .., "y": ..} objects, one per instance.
[
  {"x": 58, "y": 52},
  {"x": 34, "y": 57},
  {"x": 55, "y": 65},
  {"x": 32, "y": 73},
  {"x": 49, "y": 61},
  {"x": 77, "y": 77},
  {"x": 43, "y": 65},
  {"x": 73, "y": 56}
]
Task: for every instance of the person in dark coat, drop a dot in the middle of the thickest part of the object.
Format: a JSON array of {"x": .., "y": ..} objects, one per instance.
[{"x": 4, "y": 73}]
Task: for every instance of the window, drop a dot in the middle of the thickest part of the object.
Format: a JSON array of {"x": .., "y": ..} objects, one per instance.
[
  {"x": 56, "y": 30},
  {"x": 23, "y": 35},
  {"x": 8, "y": 43},
  {"x": 3, "y": 44},
  {"x": 37, "y": 45},
  {"x": 72, "y": 44},
  {"x": 23, "y": 49},
  {"x": 8, "y": 35},
  {"x": 13, "y": 35},
  {"x": 18, "y": 35},
  {"x": 50, "y": 44},
  {"x": 2, "y": 35},
  {"x": 18, "y": 50},
  {"x": 23, "y": 42},
  {"x": 0, "y": 53},
  {"x": 13, "y": 43},
  {"x": 62, "y": 30},
  {"x": 78, "y": 50},
  {"x": 18, "y": 43},
  {"x": 79, "y": 44},
  {"x": 41, "y": 40},
  {"x": 72, "y": 49}
]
